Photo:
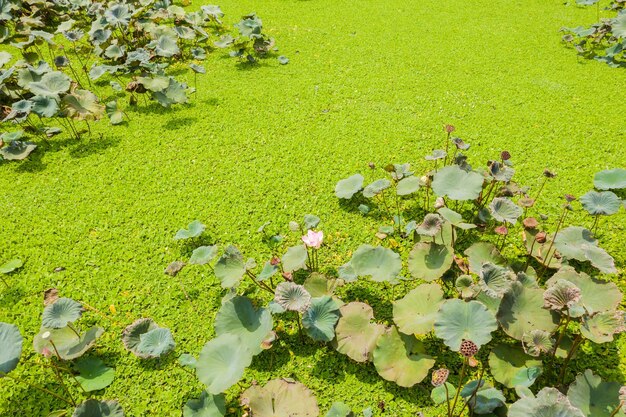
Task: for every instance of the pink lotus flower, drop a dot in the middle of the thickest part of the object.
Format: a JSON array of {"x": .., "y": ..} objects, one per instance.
[{"x": 313, "y": 239}]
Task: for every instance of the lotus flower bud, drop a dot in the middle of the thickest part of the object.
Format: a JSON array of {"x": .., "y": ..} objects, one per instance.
[
  {"x": 540, "y": 237},
  {"x": 439, "y": 203},
  {"x": 505, "y": 155},
  {"x": 439, "y": 377},
  {"x": 501, "y": 230},
  {"x": 425, "y": 181},
  {"x": 548, "y": 174},
  {"x": 473, "y": 362},
  {"x": 274, "y": 261},
  {"x": 468, "y": 348},
  {"x": 450, "y": 128},
  {"x": 530, "y": 223}
]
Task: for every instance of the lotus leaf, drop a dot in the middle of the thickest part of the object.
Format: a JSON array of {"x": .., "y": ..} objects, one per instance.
[
  {"x": 295, "y": 258},
  {"x": 208, "y": 405},
  {"x": 230, "y": 268},
  {"x": 408, "y": 185},
  {"x": 268, "y": 271},
  {"x": 280, "y": 398},
  {"x": 83, "y": 105},
  {"x": 45, "y": 106},
  {"x": 416, "y": 312},
  {"x": 62, "y": 312},
  {"x": 454, "y": 218},
  {"x": 457, "y": 184},
  {"x": 486, "y": 398},
  {"x": 356, "y": 335},
  {"x": 376, "y": 188},
  {"x": 348, "y": 187},
  {"x": 482, "y": 252},
  {"x": 51, "y": 85},
  {"x": 222, "y": 362},
  {"x": 511, "y": 367},
  {"x": 601, "y": 327},
  {"x": 292, "y": 296},
  {"x": 505, "y": 210},
  {"x": 311, "y": 221},
  {"x": 11, "y": 342},
  {"x": 600, "y": 203},
  {"x": 549, "y": 402},
  {"x": 155, "y": 343},
  {"x": 594, "y": 397},
  {"x": 458, "y": 320},
  {"x": 382, "y": 264},
  {"x": 95, "y": 408},
  {"x": 429, "y": 261},
  {"x": 10, "y": 266},
  {"x": 596, "y": 295},
  {"x": 339, "y": 409},
  {"x": 537, "y": 342},
  {"x": 239, "y": 317},
  {"x": 494, "y": 280},
  {"x": 318, "y": 285},
  {"x": 17, "y": 151},
  {"x": 203, "y": 255},
  {"x": 118, "y": 14},
  {"x": 611, "y": 179},
  {"x": 320, "y": 318},
  {"x": 67, "y": 344},
  {"x": 94, "y": 375}
]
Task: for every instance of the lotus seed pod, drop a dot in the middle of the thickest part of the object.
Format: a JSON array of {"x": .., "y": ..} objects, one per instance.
[
  {"x": 548, "y": 174},
  {"x": 468, "y": 348},
  {"x": 439, "y": 203},
  {"x": 439, "y": 377},
  {"x": 569, "y": 198},
  {"x": 505, "y": 155},
  {"x": 530, "y": 223},
  {"x": 274, "y": 261},
  {"x": 450, "y": 128},
  {"x": 425, "y": 181},
  {"x": 540, "y": 237}
]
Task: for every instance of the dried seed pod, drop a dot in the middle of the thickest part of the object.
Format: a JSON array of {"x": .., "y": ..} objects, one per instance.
[
  {"x": 439, "y": 377},
  {"x": 468, "y": 348}
]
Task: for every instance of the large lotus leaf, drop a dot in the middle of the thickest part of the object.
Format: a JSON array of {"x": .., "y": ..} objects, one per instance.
[
  {"x": 521, "y": 311},
  {"x": 382, "y": 264},
  {"x": 600, "y": 203},
  {"x": 291, "y": 296},
  {"x": 93, "y": 374},
  {"x": 594, "y": 397},
  {"x": 83, "y": 105},
  {"x": 350, "y": 186},
  {"x": 596, "y": 295},
  {"x": 495, "y": 280},
  {"x": 280, "y": 398},
  {"x": 230, "y": 268},
  {"x": 320, "y": 318},
  {"x": 376, "y": 188},
  {"x": 601, "y": 327},
  {"x": 454, "y": 218},
  {"x": 295, "y": 258},
  {"x": 11, "y": 266},
  {"x": 618, "y": 26},
  {"x": 155, "y": 343},
  {"x": 600, "y": 259},
  {"x": 10, "y": 347},
  {"x": 458, "y": 320},
  {"x": 408, "y": 185},
  {"x": 95, "y": 408},
  {"x": 238, "y": 316},
  {"x": 429, "y": 261},
  {"x": 60, "y": 313},
  {"x": 549, "y": 402},
  {"x": 166, "y": 46},
  {"x": 222, "y": 362},
  {"x": 203, "y": 255},
  {"x": 457, "y": 184},
  {"x": 208, "y": 405},
  {"x": 356, "y": 335},
  {"x": 51, "y": 85},
  {"x": 67, "y": 343},
  {"x": 401, "y": 358},
  {"x": 511, "y": 367},
  {"x": 339, "y": 409},
  {"x": 610, "y": 179},
  {"x": 416, "y": 312},
  {"x": 155, "y": 84},
  {"x": 571, "y": 240},
  {"x": 17, "y": 151},
  {"x": 505, "y": 210},
  {"x": 45, "y": 106},
  {"x": 118, "y": 15},
  {"x": 481, "y": 252}
]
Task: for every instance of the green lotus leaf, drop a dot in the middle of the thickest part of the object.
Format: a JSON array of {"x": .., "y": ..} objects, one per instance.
[
  {"x": 11, "y": 342},
  {"x": 280, "y": 398},
  {"x": 521, "y": 311},
  {"x": 187, "y": 360},
  {"x": 5, "y": 58},
  {"x": 175, "y": 93},
  {"x": 601, "y": 327},
  {"x": 482, "y": 252},
  {"x": 83, "y": 105},
  {"x": 596, "y": 295},
  {"x": 454, "y": 218},
  {"x": 511, "y": 367},
  {"x": 571, "y": 240},
  {"x": 346, "y": 272},
  {"x": 95, "y": 408},
  {"x": 429, "y": 261},
  {"x": 356, "y": 334},
  {"x": 600, "y": 203},
  {"x": 292, "y": 296},
  {"x": 339, "y": 409},
  {"x": 618, "y": 26},
  {"x": 81, "y": 345},
  {"x": 436, "y": 154},
  {"x": 238, "y": 316},
  {"x": 505, "y": 210},
  {"x": 501, "y": 172},
  {"x": 166, "y": 46},
  {"x": 45, "y": 106},
  {"x": 549, "y": 402},
  {"x": 611, "y": 179},
  {"x": 114, "y": 51},
  {"x": 222, "y": 362},
  {"x": 600, "y": 259},
  {"x": 51, "y": 85},
  {"x": 318, "y": 285},
  {"x": 458, "y": 320},
  {"x": 203, "y": 255},
  {"x": 155, "y": 84},
  {"x": 17, "y": 151},
  {"x": 465, "y": 285},
  {"x": 431, "y": 226},
  {"x": 116, "y": 116},
  {"x": 9, "y": 137},
  {"x": 60, "y": 313},
  {"x": 320, "y": 318},
  {"x": 295, "y": 258},
  {"x": 311, "y": 221},
  {"x": 155, "y": 343},
  {"x": 10, "y": 266},
  {"x": 118, "y": 15},
  {"x": 198, "y": 53},
  {"x": 350, "y": 186},
  {"x": 208, "y": 405},
  {"x": 485, "y": 400},
  {"x": 594, "y": 397},
  {"x": 382, "y": 264},
  {"x": 494, "y": 280},
  {"x": 408, "y": 185},
  {"x": 230, "y": 268},
  {"x": 63, "y": 339},
  {"x": 439, "y": 395},
  {"x": 376, "y": 188},
  {"x": 537, "y": 342},
  {"x": 93, "y": 374},
  {"x": 401, "y": 358},
  {"x": 267, "y": 272},
  {"x": 416, "y": 312},
  {"x": 563, "y": 295},
  {"x": 457, "y": 184}
]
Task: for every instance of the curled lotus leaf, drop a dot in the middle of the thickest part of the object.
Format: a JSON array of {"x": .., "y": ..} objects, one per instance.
[
  {"x": 416, "y": 312},
  {"x": 230, "y": 268},
  {"x": 601, "y": 327},
  {"x": 208, "y": 405},
  {"x": 320, "y": 318},
  {"x": 67, "y": 343},
  {"x": 356, "y": 335},
  {"x": 95, "y": 408},
  {"x": 501, "y": 172},
  {"x": 118, "y": 15},
  {"x": 116, "y": 116},
  {"x": 561, "y": 295},
  {"x": 292, "y": 296},
  {"x": 376, "y": 188},
  {"x": 486, "y": 398},
  {"x": 11, "y": 342},
  {"x": 536, "y": 342},
  {"x": 458, "y": 320},
  {"x": 17, "y": 151},
  {"x": 146, "y": 339},
  {"x": 295, "y": 258},
  {"x": 600, "y": 203},
  {"x": 431, "y": 225},
  {"x": 60, "y": 313},
  {"x": 610, "y": 179},
  {"x": 408, "y": 185},
  {"x": 464, "y": 284},
  {"x": 280, "y": 397},
  {"x": 239, "y": 317},
  {"x": 382, "y": 264},
  {"x": 222, "y": 362},
  {"x": 457, "y": 184},
  {"x": 83, "y": 105},
  {"x": 505, "y": 210},
  {"x": 494, "y": 280},
  {"x": 596, "y": 295},
  {"x": 594, "y": 397},
  {"x": 203, "y": 255},
  {"x": 511, "y": 367},
  {"x": 45, "y": 106},
  {"x": 549, "y": 402},
  {"x": 429, "y": 261},
  {"x": 480, "y": 253},
  {"x": 348, "y": 187},
  {"x": 51, "y": 85},
  {"x": 401, "y": 358}
]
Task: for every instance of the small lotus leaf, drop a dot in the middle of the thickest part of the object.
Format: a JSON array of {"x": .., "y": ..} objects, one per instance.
[
  {"x": 95, "y": 408},
  {"x": 295, "y": 258},
  {"x": 10, "y": 266},
  {"x": 239, "y": 317},
  {"x": 457, "y": 184},
  {"x": 356, "y": 335},
  {"x": 408, "y": 185},
  {"x": 292, "y": 296},
  {"x": 208, "y": 405},
  {"x": 222, "y": 362},
  {"x": 203, "y": 255},
  {"x": 194, "y": 229},
  {"x": 431, "y": 225},
  {"x": 549, "y": 402},
  {"x": 320, "y": 318},
  {"x": 339, "y": 409},
  {"x": 348, "y": 187},
  {"x": 376, "y": 188},
  {"x": 511, "y": 367},
  {"x": 458, "y": 320},
  {"x": 611, "y": 179},
  {"x": 594, "y": 397},
  {"x": 382, "y": 264},
  {"x": 155, "y": 343},
  {"x": 505, "y": 210},
  {"x": 60, "y": 313},
  {"x": 131, "y": 337},
  {"x": 416, "y": 312},
  {"x": 93, "y": 374},
  {"x": 429, "y": 261},
  {"x": 230, "y": 268},
  {"x": 280, "y": 398},
  {"x": 311, "y": 221},
  {"x": 10, "y": 347},
  {"x": 537, "y": 342},
  {"x": 267, "y": 272},
  {"x": 495, "y": 280},
  {"x": 600, "y": 203},
  {"x": 601, "y": 327}
]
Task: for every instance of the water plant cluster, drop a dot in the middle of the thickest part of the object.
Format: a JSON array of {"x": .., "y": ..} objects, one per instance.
[
  {"x": 78, "y": 59},
  {"x": 490, "y": 304}
]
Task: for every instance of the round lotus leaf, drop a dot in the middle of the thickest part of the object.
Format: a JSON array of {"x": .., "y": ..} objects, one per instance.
[
  {"x": 222, "y": 362},
  {"x": 382, "y": 264},
  {"x": 416, "y": 312},
  {"x": 521, "y": 311},
  {"x": 166, "y": 46},
  {"x": 511, "y": 367},
  {"x": 600, "y": 203},
  {"x": 17, "y": 151},
  {"x": 320, "y": 318},
  {"x": 292, "y": 296},
  {"x": 619, "y": 26},
  {"x": 350, "y": 186},
  {"x": 51, "y": 85},
  {"x": 429, "y": 261},
  {"x": 93, "y": 374},
  {"x": 155, "y": 343},
  {"x": 482, "y": 252},
  {"x": 62, "y": 312},
  {"x": 570, "y": 242},
  {"x": 594, "y": 397},
  {"x": 431, "y": 225},
  {"x": 83, "y": 105},
  {"x": 356, "y": 334},
  {"x": 495, "y": 280},
  {"x": 596, "y": 295},
  {"x": 610, "y": 179},
  {"x": 458, "y": 320},
  {"x": 504, "y": 210},
  {"x": 10, "y": 347},
  {"x": 318, "y": 285},
  {"x": 238, "y": 316},
  {"x": 295, "y": 258},
  {"x": 376, "y": 188},
  {"x": 10, "y": 266},
  {"x": 439, "y": 395},
  {"x": 457, "y": 184},
  {"x": 600, "y": 259},
  {"x": 280, "y": 398},
  {"x": 118, "y": 15},
  {"x": 203, "y": 255},
  {"x": 208, "y": 405},
  {"x": 537, "y": 342},
  {"x": 601, "y": 327},
  {"x": 549, "y": 402},
  {"x": 401, "y": 358},
  {"x": 408, "y": 185},
  {"x": 131, "y": 336},
  {"x": 45, "y": 106},
  {"x": 230, "y": 268},
  {"x": 95, "y": 408},
  {"x": 339, "y": 409}
]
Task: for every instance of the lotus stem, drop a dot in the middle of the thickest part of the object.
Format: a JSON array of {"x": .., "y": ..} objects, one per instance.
[
  {"x": 38, "y": 387},
  {"x": 445, "y": 161},
  {"x": 577, "y": 341},
  {"x": 259, "y": 283},
  {"x": 72, "y": 328},
  {"x": 58, "y": 375},
  {"x": 5, "y": 283},
  {"x": 398, "y": 211},
  {"x": 561, "y": 333},
  {"x": 556, "y": 233},
  {"x": 617, "y": 409},
  {"x": 594, "y": 227},
  {"x": 299, "y": 326},
  {"x": 445, "y": 385},
  {"x": 458, "y": 389},
  {"x": 530, "y": 254},
  {"x": 382, "y": 197},
  {"x": 480, "y": 379},
  {"x": 545, "y": 179}
]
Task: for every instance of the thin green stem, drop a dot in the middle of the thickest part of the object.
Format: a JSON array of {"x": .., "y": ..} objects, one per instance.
[
  {"x": 556, "y": 233},
  {"x": 480, "y": 379},
  {"x": 577, "y": 341},
  {"x": 38, "y": 387},
  {"x": 458, "y": 389},
  {"x": 445, "y": 385}
]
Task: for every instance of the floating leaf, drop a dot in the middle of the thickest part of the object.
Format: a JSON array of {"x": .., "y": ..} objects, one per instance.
[
  {"x": 155, "y": 343},
  {"x": 382, "y": 264},
  {"x": 429, "y": 261},
  {"x": 93, "y": 374},
  {"x": 11, "y": 266},
  {"x": 457, "y": 184},
  {"x": 347, "y": 188},
  {"x": 495, "y": 280},
  {"x": 611, "y": 179},
  {"x": 295, "y": 258},
  {"x": 280, "y": 397},
  {"x": 283, "y": 60},
  {"x": 408, "y": 185},
  {"x": 356, "y": 335},
  {"x": 601, "y": 327},
  {"x": 511, "y": 367},
  {"x": 480, "y": 253},
  {"x": 549, "y": 402},
  {"x": 292, "y": 297},
  {"x": 208, "y": 405},
  {"x": 320, "y": 318},
  {"x": 60, "y": 313},
  {"x": 10, "y": 347},
  {"x": 376, "y": 188},
  {"x": 505, "y": 210},
  {"x": 416, "y": 312},
  {"x": 458, "y": 320},
  {"x": 222, "y": 362},
  {"x": 238, "y": 316},
  {"x": 203, "y": 255},
  {"x": 116, "y": 116},
  {"x": 600, "y": 203},
  {"x": 594, "y": 397},
  {"x": 194, "y": 229},
  {"x": 230, "y": 268},
  {"x": 17, "y": 151},
  {"x": 95, "y": 408}
]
